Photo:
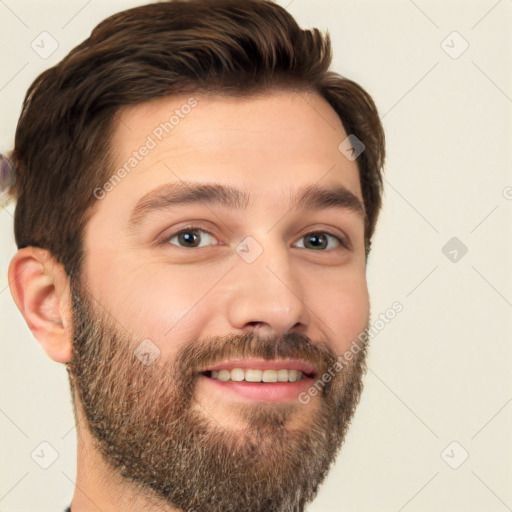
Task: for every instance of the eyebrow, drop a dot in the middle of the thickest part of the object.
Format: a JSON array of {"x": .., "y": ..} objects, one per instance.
[{"x": 308, "y": 197}]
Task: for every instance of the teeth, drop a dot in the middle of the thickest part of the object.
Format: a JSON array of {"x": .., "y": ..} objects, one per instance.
[
  {"x": 282, "y": 375},
  {"x": 224, "y": 375},
  {"x": 253, "y": 375},
  {"x": 238, "y": 375},
  {"x": 269, "y": 376}
]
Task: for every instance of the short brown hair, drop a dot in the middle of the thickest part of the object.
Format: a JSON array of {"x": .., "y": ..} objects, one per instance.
[{"x": 224, "y": 47}]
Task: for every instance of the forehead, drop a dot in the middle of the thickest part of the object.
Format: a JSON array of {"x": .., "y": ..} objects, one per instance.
[{"x": 268, "y": 144}]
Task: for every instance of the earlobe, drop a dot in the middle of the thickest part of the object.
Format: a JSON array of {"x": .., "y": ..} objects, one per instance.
[{"x": 40, "y": 288}]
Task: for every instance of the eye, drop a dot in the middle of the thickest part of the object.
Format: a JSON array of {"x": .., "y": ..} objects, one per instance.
[
  {"x": 190, "y": 237},
  {"x": 319, "y": 240}
]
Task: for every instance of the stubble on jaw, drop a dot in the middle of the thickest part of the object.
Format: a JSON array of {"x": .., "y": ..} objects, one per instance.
[{"x": 152, "y": 431}]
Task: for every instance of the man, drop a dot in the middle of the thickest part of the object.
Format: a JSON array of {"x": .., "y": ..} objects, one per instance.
[{"x": 196, "y": 196}]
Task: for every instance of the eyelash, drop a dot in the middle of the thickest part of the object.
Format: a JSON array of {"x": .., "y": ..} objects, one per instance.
[{"x": 167, "y": 239}]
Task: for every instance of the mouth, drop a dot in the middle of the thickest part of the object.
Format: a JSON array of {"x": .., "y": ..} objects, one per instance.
[
  {"x": 255, "y": 375},
  {"x": 271, "y": 381}
]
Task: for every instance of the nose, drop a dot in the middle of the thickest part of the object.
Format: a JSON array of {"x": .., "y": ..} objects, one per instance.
[{"x": 266, "y": 295}]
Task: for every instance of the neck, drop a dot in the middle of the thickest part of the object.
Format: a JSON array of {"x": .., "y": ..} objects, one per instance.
[{"x": 98, "y": 487}]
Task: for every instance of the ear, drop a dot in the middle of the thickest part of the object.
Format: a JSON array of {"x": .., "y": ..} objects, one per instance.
[{"x": 40, "y": 288}]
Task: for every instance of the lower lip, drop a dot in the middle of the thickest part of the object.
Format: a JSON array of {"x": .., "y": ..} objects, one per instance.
[{"x": 264, "y": 391}]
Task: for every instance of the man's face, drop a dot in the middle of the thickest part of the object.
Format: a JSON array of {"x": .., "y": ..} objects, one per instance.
[{"x": 171, "y": 292}]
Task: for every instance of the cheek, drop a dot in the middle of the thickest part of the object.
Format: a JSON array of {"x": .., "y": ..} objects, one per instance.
[
  {"x": 169, "y": 309},
  {"x": 344, "y": 306},
  {"x": 166, "y": 305}
]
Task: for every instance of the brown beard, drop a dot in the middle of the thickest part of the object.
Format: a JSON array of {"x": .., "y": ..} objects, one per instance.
[{"x": 151, "y": 430}]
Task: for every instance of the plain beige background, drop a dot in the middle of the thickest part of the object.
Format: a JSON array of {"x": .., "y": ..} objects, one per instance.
[{"x": 438, "y": 388}]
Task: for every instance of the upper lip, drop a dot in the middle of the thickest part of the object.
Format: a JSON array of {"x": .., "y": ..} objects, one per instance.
[{"x": 266, "y": 364}]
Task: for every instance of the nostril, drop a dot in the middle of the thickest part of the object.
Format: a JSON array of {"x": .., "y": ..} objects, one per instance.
[{"x": 262, "y": 329}]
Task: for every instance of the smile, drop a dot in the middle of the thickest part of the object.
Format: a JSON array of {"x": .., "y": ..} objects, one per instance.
[
  {"x": 271, "y": 381},
  {"x": 255, "y": 375}
]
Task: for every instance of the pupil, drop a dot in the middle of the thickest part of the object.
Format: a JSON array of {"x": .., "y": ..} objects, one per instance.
[
  {"x": 188, "y": 237},
  {"x": 317, "y": 239}
]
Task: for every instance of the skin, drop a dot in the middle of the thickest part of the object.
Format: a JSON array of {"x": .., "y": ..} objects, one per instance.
[{"x": 269, "y": 145}]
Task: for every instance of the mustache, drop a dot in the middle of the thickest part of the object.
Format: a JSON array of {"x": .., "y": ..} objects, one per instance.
[{"x": 191, "y": 359}]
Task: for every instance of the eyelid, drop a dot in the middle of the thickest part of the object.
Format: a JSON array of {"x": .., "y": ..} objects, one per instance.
[
  {"x": 162, "y": 240},
  {"x": 342, "y": 239}
]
